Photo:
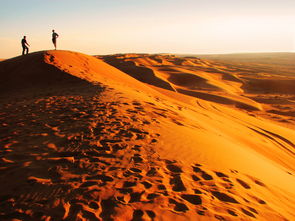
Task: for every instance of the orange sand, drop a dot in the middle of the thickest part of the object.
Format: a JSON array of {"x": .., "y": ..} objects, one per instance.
[{"x": 188, "y": 140}]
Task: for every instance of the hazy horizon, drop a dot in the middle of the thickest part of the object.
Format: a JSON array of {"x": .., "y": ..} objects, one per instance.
[{"x": 166, "y": 26}]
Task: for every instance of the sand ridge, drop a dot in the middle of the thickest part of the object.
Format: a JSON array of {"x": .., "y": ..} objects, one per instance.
[{"x": 97, "y": 144}]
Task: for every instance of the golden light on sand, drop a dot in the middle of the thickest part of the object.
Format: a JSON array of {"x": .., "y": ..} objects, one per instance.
[{"x": 147, "y": 137}]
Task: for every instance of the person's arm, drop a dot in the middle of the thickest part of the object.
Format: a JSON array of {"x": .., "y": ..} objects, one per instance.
[{"x": 27, "y": 44}]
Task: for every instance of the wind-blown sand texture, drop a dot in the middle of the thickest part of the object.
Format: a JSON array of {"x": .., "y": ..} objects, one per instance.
[{"x": 82, "y": 139}]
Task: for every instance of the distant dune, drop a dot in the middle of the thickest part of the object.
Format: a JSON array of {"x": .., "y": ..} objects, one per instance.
[
  {"x": 145, "y": 137},
  {"x": 262, "y": 88},
  {"x": 279, "y": 58},
  {"x": 190, "y": 76},
  {"x": 279, "y": 63},
  {"x": 270, "y": 81}
]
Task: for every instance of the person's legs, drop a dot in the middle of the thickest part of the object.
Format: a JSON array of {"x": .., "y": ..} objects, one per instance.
[
  {"x": 27, "y": 50},
  {"x": 24, "y": 48},
  {"x": 54, "y": 43}
]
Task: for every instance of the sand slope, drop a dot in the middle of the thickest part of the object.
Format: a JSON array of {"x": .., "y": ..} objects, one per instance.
[
  {"x": 82, "y": 140},
  {"x": 190, "y": 76},
  {"x": 260, "y": 83},
  {"x": 269, "y": 80}
]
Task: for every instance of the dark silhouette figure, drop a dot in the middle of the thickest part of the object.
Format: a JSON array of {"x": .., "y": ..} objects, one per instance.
[
  {"x": 25, "y": 45},
  {"x": 54, "y": 37}
]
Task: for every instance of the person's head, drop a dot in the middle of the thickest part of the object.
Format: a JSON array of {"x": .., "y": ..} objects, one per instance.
[
  {"x": 52, "y": 30},
  {"x": 24, "y": 37}
]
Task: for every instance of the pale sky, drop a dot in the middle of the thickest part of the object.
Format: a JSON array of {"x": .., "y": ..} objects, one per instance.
[{"x": 148, "y": 26}]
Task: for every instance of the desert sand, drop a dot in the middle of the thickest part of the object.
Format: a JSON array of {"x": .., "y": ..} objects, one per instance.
[{"x": 145, "y": 137}]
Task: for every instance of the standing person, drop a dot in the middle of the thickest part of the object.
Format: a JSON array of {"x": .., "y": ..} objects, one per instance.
[
  {"x": 54, "y": 37},
  {"x": 25, "y": 45}
]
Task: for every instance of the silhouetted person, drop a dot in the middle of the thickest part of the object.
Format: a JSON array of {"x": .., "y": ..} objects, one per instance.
[
  {"x": 25, "y": 45},
  {"x": 54, "y": 37}
]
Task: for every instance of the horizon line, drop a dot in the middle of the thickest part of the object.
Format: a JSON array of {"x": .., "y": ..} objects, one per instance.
[{"x": 168, "y": 53}]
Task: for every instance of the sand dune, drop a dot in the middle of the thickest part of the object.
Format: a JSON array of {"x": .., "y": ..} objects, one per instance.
[
  {"x": 190, "y": 76},
  {"x": 283, "y": 60},
  {"x": 83, "y": 140},
  {"x": 265, "y": 88},
  {"x": 270, "y": 79}
]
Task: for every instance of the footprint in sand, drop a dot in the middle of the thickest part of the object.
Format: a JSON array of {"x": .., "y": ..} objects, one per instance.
[
  {"x": 224, "y": 197},
  {"x": 178, "y": 207},
  {"x": 202, "y": 173},
  {"x": 193, "y": 199}
]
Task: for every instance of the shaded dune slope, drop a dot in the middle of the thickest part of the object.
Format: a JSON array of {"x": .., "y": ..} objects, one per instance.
[
  {"x": 140, "y": 73},
  {"x": 32, "y": 72},
  {"x": 100, "y": 145}
]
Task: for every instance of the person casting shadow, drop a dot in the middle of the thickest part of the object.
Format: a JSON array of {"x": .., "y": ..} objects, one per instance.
[
  {"x": 54, "y": 37},
  {"x": 25, "y": 45}
]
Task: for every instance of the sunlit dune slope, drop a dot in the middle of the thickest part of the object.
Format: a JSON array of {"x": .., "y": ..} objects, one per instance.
[
  {"x": 57, "y": 69},
  {"x": 270, "y": 79},
  {"x": 190, "y": 76},
  {"x": 264, "y": 72},
  {"x": 265, "y": 88},
  {"x": 82, "y": 140}
]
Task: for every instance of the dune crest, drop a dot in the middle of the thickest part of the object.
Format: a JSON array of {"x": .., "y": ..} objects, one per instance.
[{"x": 83, "y": 140}]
